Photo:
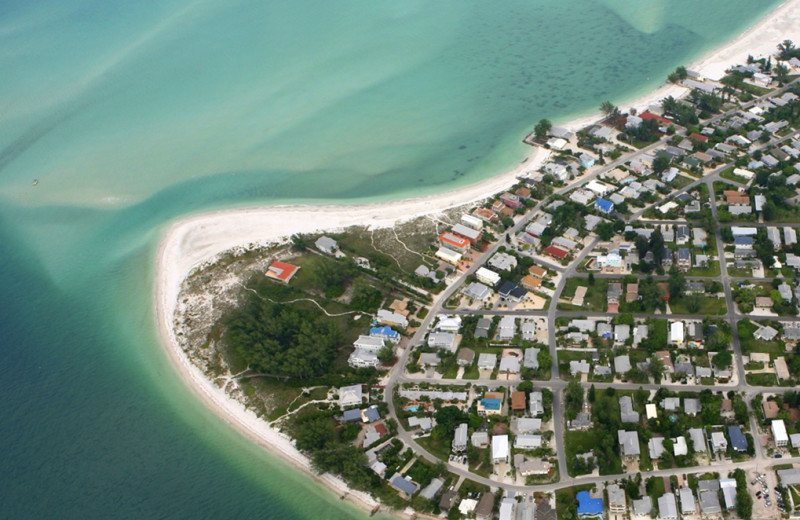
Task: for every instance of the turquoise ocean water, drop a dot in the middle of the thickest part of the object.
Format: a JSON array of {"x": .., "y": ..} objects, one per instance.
[{"x": 133, "y": 114}]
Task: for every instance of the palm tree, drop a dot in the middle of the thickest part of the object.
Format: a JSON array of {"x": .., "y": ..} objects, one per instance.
[
  {"x": 609, "y": 109},
  {"x": 781, "y": 74},
  {"x": 786, "y": 47}
]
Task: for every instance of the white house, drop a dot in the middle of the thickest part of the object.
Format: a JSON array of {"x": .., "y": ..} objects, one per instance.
[
  {"x": 676, "y": 333},
  {"x": 350, "y": 396},
  {"x": 362, "y": 359},
  {"x": 499, "y": 449},
  {"x": 779, "y": 433},
  {"x": 326, "y": 245},
  {"x": 488, "y": 277},
  {"x": 368, "y": 343}
]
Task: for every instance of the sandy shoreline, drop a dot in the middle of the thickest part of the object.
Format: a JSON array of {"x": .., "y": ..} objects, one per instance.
[{"x": 191, "y": 242}]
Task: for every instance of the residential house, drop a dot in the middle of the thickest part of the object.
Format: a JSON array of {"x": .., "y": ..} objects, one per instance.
[
  {"x": 460, "y": 438},
  {"x": 471, "y": 234},
  {"x": 385, "y": 333},
  {"x": 326, "y": 245},
  {"x": 629, "y": 444},
  {"x": 510, "y": 291},
  {"x": 480, "y": 439},
  {"x": 589, "y": 507},
  {"x": 488, "y": 277},
  {"x": 687, "y": 501},
  {"x": 779, "y": 435},
  {"x": 708, "y": 496},
  {"x": 667, "y": 507},
  {"x": 738, "y": 440},
  {"x": 487, "y": 361},
  {"x": 509, "y": 365},
  {"x": 485, "y": 508},
  {"x": 502, "y": 261},
  {"x": 350, "y": 396},
  {"x": 604, "y": 206},
  {"x": 536, "y": 403},
  {"x": 627, "y": 413},
  {"x": 482, "y": 328},
  {"x": 499, "y": 449},
  {"x": 363, "y": 359},
  {"x": 698, "y": 439},
  {"x": 477, "y": 291},
  {"x": 465, "y": 357},
  {"x": 281, "y": 271},
  {"x": 392, "y": 319},
  {"x": 442, "y": 340},
  {"x": 684, "y": 259},
  {"x": 622, "y": 364},
  {"x": 616, "y": 500},
  {"x": 454, "y": 242},
  {"x": 507, "y": 328},
  {"x": 531, "y": 358},
  {"x": 403, "y": 484}
]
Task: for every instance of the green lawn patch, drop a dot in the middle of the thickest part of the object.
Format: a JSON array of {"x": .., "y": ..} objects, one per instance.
[{"x": 761, "y": 379}]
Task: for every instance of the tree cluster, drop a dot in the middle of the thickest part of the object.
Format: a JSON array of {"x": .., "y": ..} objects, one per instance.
[{"x": 283, "y": 340}]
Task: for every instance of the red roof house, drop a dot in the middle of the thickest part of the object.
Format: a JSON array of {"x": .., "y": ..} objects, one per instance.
[
  {"x": 281, "y": 271},
  {"x": 556, "y": 252},
  {"x": 698, "y": 137},
  {"x": 453, "y": 241},
  {"x": 649, "y": 115}
]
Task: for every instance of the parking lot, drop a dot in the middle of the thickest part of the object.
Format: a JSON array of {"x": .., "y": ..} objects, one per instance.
[{"x": 761, "y": 486}]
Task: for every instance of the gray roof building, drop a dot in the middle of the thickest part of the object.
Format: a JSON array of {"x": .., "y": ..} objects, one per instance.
[
  {"x": 687, "y": 501},
  {"x": 667, "y": 507},
  {"x": 643, "y": 506},
  {"x": 622, "y": 364},
  {"x": 629, "y": 443},
  {"x": 698, "y": 439},
  {"x": 627, "y": 413},
  {"x": 401, "y": 484},
  {"x": 431, "y": 489},
  {"x": 531, "y": 358}
]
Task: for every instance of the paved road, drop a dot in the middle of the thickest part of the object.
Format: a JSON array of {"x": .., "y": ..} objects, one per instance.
[{"x": 556, "y": 384}]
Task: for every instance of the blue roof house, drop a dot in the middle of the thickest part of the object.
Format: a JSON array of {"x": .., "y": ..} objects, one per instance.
[
  {"x": 386, "y": 333},
  {"x": 603, "y": 205},
  {"x": 738, "y": 440},
  {"x": 589, "y": 507}
]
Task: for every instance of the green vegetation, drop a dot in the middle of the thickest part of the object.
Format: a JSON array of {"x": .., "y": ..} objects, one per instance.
[{"x": 282, "y": 340}]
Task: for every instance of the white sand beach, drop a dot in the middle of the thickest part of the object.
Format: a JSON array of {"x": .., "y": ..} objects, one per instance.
[{"x": 189, "y": 243}]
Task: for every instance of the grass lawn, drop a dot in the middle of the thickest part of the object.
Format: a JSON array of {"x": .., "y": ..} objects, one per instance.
[
  {"x": 728, "y": 174},
  {"x": 761, "y": 379},
  {"x": 451, "y": 371},
  {"x": 471, "y": 372},
  {"x": 681, "y": 181},
  {"x": 482, "y": 466},
  {"x": 440, "y": 449},
  {"x": 737, "y": 272},
  {"x": 595, "y": 299},
  {"x": 711, "y": 270},
  {"x": 750, "y": 344},
  {"x": 655, "y": 488},
  {"x": 565, "y": 356},
  {"x": 708, "y": 306},
  {"x": 579, "y": 442}
]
